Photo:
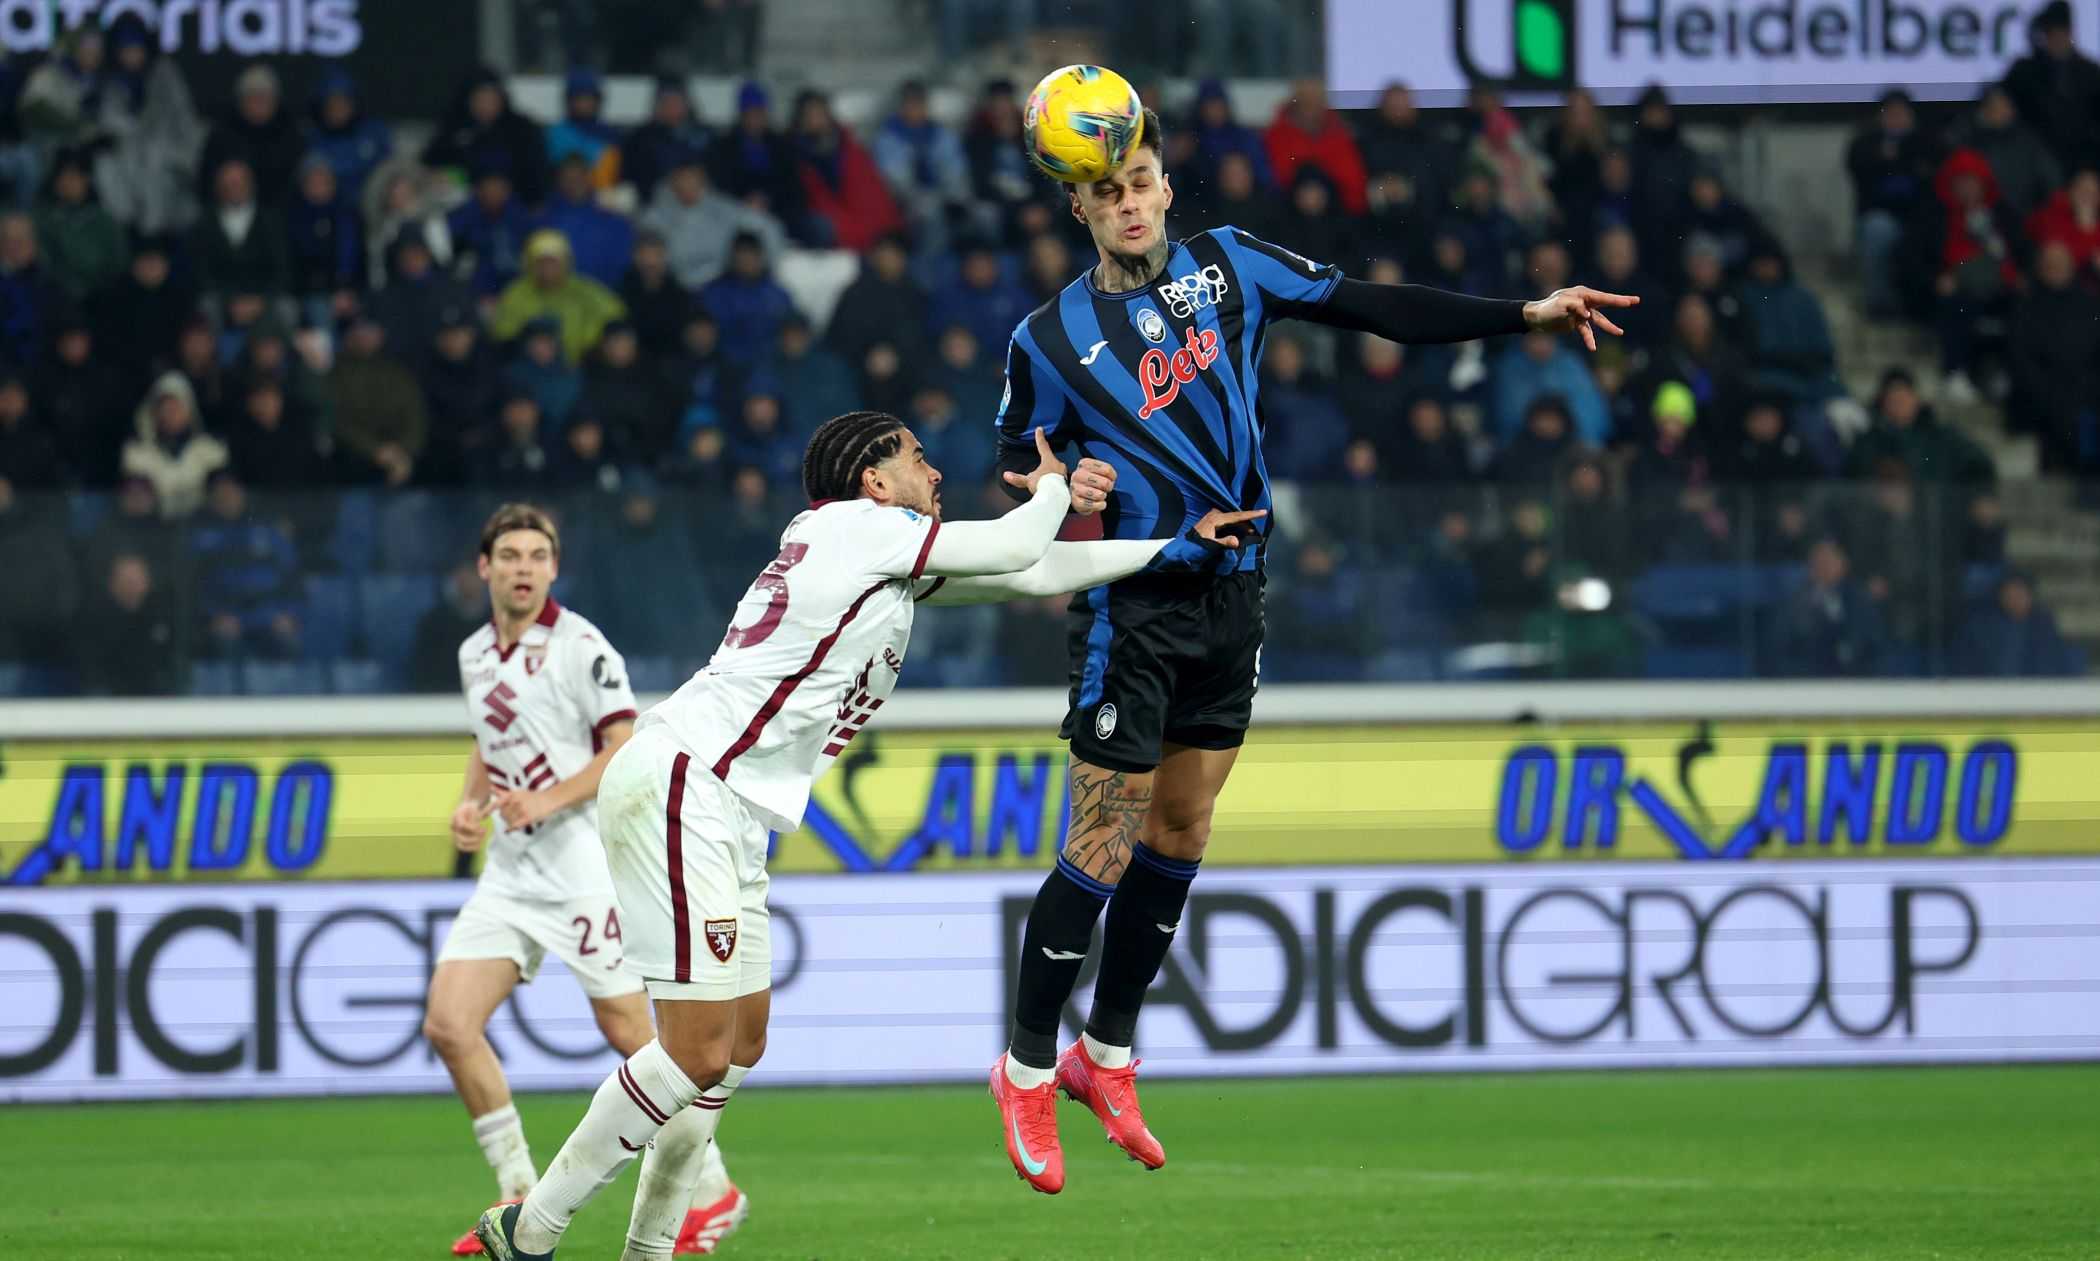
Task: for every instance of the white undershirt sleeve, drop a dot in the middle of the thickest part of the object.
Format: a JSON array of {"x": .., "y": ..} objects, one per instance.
[
  {"x": 1066, "y": 567},
  {"x": 1014, "y": 542}
]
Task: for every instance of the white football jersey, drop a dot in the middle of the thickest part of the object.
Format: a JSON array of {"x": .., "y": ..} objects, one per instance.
[
  {"x": 814, "y": 650},
  {"x": 539, "y": 713}
]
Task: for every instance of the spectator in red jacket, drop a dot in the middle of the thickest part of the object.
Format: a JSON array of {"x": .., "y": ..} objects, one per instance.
[
  {"x": 1307, "y": 133},
  {"x": 2072, "y": 219},
  {"x": 1980, "y": 259},
  {"x": 1977, "y": 254},
  {"x": 841, "y": 182}
]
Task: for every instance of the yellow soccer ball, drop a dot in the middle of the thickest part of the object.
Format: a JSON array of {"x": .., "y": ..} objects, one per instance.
[{"x": 1082, "y": 122}]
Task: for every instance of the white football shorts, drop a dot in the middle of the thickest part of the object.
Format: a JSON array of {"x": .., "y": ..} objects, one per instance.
[
  {"x": 587, "y": 934},
  {"x": 688, "y": 864}
]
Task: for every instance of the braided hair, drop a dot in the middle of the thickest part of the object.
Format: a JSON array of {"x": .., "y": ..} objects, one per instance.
[{"x": 843, "y": 447}]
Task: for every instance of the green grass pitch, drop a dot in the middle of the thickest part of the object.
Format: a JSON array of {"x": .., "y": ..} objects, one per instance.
[{"x": 1852, "y": 1164}]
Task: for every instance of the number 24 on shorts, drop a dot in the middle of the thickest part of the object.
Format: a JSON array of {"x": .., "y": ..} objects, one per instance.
[{"x": 611, "y": 934}]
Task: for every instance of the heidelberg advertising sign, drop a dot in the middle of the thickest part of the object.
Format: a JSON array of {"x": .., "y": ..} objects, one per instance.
[
  {"x": 1720, "y": 51},
  {"x": 307, "y": 989}
]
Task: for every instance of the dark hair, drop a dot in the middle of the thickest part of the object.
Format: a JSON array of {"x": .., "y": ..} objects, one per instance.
[
  {"x": 518, "y": 517},
  {"x": 1154, "y": 136},
  {"x": 843, "y": 447}
]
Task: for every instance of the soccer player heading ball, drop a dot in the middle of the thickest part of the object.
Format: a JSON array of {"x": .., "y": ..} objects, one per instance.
[{"x": 1149, "y": 365}]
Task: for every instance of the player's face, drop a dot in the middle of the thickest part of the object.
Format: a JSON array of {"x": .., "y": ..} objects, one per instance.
[
  {"x": 1127, "y": 212},
  {"x": 520, "y": 568},
  {"x": 906, "y": 480}
]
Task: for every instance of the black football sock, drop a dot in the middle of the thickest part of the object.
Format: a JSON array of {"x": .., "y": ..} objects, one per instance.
[
  {"x": 1060, "y": 928},
  {"x": 1142, "y": 917}
]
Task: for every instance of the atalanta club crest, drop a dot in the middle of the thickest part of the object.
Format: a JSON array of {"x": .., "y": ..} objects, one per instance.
[
  {"x": 721, "y": 938},
  {"x": 1105, "y": 722},
  {"x": 1153, "y": 327}
]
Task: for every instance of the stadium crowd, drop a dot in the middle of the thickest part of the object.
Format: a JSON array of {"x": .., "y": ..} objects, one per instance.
[{"x": 261, "y": 367}]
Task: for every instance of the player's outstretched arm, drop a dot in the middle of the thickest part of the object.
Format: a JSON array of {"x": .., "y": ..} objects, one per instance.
[
  {"x": 1419, "y": 315},
  {"x": 1069, "y": 567},
  {"x": 1013, "y": 542}
]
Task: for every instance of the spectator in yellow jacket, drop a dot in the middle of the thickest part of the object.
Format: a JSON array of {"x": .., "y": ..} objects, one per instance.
[{"x": 550, "y": 286}]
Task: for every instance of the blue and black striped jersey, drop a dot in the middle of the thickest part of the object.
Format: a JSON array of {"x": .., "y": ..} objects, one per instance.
[{"x": 1163, "y": 382}]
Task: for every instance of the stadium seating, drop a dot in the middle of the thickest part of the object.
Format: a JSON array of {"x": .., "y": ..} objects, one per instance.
[
  {"x": 1697, "y": 663},
  {"x": 389, "y": 606},
  {"x": 418, "y": 533},
  {"x": 1694, "y": 597},
  {"x": 654, "y": 674},
  {"x": 330, "y": 616},
  {"x": 215, "y": 678},
  {"x": 358, "y": 676},
  {"x": 355, "y": 546},
  {"x": 283, "y": 678}
]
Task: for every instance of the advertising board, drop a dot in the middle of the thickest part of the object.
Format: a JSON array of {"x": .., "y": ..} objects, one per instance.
[
  {"x": 1703, "y": 51},
  {"x": 947, "y": 800},
  {"x": 400, "y": 70},
  {"x": 307, "y": 989}
]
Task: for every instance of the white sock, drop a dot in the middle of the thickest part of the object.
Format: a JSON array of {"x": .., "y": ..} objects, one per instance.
[
  {"x": 714, "y": 1177},
  {"x": 1026, "y": 1078},
  {"x": 671, "y": 1170},
  {"x": 639, "y": 1099},
  {"x": 502, "y": 1138},
  {"x": 1103, "y": 1054}
]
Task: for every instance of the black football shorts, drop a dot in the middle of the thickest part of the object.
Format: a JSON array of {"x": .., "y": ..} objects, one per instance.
[{"x": 1163, "y": 659}]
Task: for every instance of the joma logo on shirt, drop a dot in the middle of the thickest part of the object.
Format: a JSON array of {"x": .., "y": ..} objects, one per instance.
[{"x": 1163, "y": 375}]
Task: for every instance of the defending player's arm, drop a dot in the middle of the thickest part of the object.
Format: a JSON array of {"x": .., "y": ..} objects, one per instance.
[
  {"x": 1013, "y": 542},
  {"x": 1069, "y": 567},
  {"x": 1289, "y": 285},
  {"x": 470, "y": 827}
]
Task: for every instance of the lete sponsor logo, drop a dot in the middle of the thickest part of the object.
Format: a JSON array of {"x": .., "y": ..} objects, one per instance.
[{"x": 1162, "y": 375}]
